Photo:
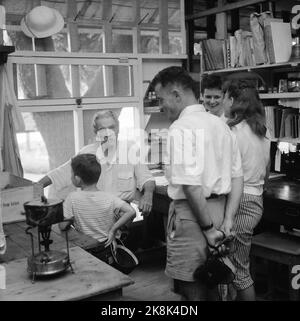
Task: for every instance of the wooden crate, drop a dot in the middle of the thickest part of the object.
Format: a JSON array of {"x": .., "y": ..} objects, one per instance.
[{"x": 14, "y": 192}]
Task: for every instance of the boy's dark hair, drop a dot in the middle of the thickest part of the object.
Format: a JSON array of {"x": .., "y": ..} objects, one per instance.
[
  {"x": 175, "y": 75},
  {"x": 87, "y": 168},
  {"x": 211, "y": 81}
]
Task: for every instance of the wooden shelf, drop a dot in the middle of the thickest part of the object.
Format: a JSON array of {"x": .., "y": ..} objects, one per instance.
[
  {"x": 152, "y": 109},
  {"x": 286, "y": 95},
  {"x": 280, "y": 95},
  {"x": 229, "y": 70},
  {"x": 4, "y": 51},
  {"x": 162, "y": 56},
  {"x": 286, "y": 140}
]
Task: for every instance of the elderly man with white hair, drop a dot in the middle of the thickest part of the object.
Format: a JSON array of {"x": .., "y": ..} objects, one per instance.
[{"x": 119, "y": 178}]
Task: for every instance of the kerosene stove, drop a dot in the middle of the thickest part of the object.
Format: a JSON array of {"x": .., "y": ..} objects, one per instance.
[{"x": 41, "y": 214}]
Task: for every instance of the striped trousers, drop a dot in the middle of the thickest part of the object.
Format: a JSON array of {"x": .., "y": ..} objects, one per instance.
[{"x": 248, "y": 216}]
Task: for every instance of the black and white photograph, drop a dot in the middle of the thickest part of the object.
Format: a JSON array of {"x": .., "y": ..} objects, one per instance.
[{"x": 149, "y": 155}]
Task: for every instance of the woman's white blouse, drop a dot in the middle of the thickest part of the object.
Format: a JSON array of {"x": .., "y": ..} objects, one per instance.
[{"x": 255, "y": 153}]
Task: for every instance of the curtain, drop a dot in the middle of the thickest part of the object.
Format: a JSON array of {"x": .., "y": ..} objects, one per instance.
[
  {"x": 2, "y": 236},
  {"x": 10, "y": 122}
]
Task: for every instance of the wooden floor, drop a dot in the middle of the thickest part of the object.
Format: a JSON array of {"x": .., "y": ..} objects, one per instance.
[{"x": 151, "y": 283}]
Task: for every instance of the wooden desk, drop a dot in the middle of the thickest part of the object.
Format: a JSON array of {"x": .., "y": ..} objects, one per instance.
[
  {"x": 282, "y": 202},
  {"x": 19, "y": 246},
  {"x": 284, "y": 190},
  {"x": 92, "y": 279}
]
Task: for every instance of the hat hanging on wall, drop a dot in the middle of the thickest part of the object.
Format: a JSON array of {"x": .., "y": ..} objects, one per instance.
[{"x": 42, "y": 22}]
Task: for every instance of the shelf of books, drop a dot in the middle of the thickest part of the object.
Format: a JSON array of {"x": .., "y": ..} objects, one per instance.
[
  {"x": 283, "y": 123},
  {"x": 289, "y": 64},
  {"x": 247, "y": 50},
  {"x": 286, "y": 140},
  {"x": 285, "y": 95}
]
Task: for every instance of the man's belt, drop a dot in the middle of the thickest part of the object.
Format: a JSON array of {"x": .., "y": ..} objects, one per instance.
[{"x": 212, "y": 196}]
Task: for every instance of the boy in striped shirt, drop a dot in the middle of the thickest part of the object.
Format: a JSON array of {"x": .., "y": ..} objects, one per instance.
[{"x": 93, "y": 212}]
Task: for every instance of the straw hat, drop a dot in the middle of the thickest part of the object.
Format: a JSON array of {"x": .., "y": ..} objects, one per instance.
[{"x": 42, "y": 22}]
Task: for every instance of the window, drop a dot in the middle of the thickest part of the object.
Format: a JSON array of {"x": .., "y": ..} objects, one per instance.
[
  {"x": 62, "y": 80},
  {"x": 90, "y": 40},
  {"x": 42, "y": 81},
  {"x": 48, "y": 90},
  {"x": 118, "y": 22},
  {"x": 42, "y": 146}
]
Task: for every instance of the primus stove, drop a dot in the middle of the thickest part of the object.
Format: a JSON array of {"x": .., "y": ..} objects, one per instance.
[{"x": 42, "y": 214}]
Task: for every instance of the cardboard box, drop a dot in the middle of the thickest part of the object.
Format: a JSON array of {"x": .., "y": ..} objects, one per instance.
[{"x": 14, "y": 192}]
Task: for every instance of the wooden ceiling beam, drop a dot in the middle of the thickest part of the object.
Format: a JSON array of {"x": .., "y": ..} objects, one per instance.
[
  {"x": 107, "y": 10},
  {"x": 226, "y": 7}
]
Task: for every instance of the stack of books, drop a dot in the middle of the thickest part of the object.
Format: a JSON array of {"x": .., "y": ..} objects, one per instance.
[
  {"x": 278, "y": 40},
  {"x": 241, "y": 49},
  {"x": 213, "y": 54},
  {"x": 282, "y": 122},
  {"x": 236, "y": 51}
]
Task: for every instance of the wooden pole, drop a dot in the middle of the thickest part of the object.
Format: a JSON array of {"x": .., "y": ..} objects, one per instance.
[{"x": 221, "y": 23}]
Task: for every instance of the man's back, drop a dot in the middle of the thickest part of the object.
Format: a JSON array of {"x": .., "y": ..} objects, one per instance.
[{"x": 214, "y": 152}]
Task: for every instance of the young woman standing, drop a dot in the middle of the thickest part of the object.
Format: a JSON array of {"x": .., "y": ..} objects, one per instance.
[{"x": 246, "y": 117}]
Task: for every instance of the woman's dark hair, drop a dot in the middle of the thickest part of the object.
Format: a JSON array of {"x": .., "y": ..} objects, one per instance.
[
  {"x": 246, "y": 106},
  {"x": 175, "y": 75},
  {"x": 87, "y": 168}
]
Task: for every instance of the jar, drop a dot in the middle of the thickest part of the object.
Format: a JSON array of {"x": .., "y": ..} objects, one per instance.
[
  {"x": 295, "y": 50},
  {"x": 293, "y": 85}
]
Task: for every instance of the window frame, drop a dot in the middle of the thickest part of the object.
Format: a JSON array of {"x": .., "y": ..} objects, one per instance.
[{"x": 70, "y": 104}]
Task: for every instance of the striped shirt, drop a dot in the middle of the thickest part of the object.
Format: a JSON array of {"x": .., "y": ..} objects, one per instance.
[{"x": 94, "y": 212}]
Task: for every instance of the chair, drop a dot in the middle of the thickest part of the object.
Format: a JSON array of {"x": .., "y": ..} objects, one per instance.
[{"x": 280, "y": 248}]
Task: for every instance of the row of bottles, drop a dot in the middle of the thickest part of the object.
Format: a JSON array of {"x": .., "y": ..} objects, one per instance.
[{"x": 150, "y": 99}]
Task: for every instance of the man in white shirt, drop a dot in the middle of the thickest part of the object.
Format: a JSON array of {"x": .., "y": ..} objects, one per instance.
[
  {"x": 117, "y": 178},
  {"x": 202, "y": 162}
]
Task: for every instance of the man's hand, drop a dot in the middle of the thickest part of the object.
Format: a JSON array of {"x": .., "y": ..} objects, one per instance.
[
  {"x": 213, "y": 238},
  {"x": 45, "y": 181},
  {"x": 145, "y": 203},
  {"x": 227, "y": 227}
]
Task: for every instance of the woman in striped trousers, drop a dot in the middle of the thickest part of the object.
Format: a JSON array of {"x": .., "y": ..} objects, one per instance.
[{"x": 246, "y": 118}]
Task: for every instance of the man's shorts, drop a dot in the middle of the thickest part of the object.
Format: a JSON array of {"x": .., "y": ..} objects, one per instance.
[{"x": 186, "y": 244}]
